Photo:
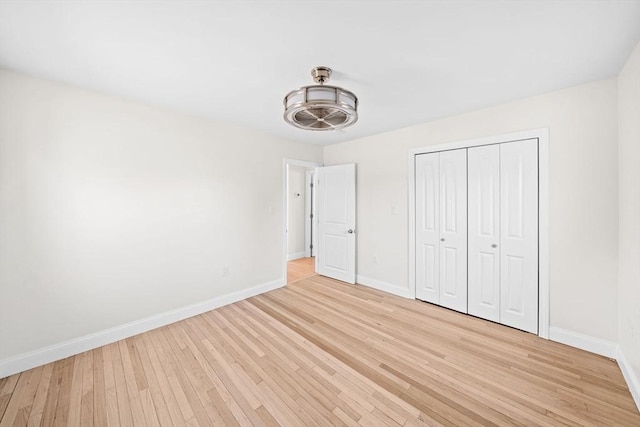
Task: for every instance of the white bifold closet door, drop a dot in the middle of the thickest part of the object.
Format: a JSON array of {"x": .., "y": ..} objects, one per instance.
[
  {"x": 503, "y": 233},
  {"x": 484, "y": 232},
  {"x": 441, "y": 228}
]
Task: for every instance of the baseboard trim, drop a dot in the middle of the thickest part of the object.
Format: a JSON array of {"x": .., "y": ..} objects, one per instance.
[
  {"x": 629, "y": 375},
  {"x": 32, "y": 359},
  {"x": 383, "y": 286},
  {"x": 297, "y": 255},
  {"x": 583, "y": 342}
]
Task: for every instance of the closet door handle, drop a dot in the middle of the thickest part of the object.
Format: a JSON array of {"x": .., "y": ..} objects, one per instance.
[
  {"x": 494, "y": 246},
  {"x": 442, "y": 239}
]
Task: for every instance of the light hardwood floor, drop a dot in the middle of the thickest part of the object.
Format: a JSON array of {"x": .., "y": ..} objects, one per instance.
[
  {"x": 320, "y": 352},
  {"x": 301, "y": 268}
]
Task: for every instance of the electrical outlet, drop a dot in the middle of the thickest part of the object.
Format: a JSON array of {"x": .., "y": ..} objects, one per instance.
[{"x": 225, "y": 271}]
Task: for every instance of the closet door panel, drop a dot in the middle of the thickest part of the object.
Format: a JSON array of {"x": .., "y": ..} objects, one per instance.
[
  {"x": 484, "y": 231},
  {"x": 427, "y": 227},
  {"x": 453, "y": 229},
  {"x": 519, "y": 235}
]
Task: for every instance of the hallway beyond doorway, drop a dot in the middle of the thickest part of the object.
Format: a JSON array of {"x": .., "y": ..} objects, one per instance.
[{"x": 300, "y": 269}]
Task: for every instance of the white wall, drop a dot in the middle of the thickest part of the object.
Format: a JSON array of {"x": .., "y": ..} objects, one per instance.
[
  {"x": 582, "y": 123},
  {"x": 296, "y": 205},
  {"x": 112, "y": 211},
  {"x": 629, "y": 232}
]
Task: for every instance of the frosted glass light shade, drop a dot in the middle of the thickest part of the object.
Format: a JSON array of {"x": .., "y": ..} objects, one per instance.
[{"x": 321, "y": 107}]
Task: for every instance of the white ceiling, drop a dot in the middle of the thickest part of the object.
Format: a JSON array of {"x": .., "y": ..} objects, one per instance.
[{"x": 233, "y": 61}]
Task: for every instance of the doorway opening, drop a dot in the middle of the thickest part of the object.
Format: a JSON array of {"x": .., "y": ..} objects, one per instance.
[{"x": 299, "y": 220}]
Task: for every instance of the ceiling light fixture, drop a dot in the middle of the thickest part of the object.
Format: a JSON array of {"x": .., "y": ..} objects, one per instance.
[{"x": 320, "y": 107}]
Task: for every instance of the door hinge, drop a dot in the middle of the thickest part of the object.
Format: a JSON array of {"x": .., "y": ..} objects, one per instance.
[
  {"x": 311, "y": 216},
  {"x": 310, "y": 246},
  {"x": 311, "y": 185}
]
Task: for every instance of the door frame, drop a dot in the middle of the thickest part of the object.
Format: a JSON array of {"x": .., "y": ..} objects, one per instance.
[
  {"x": 542, "y": 135},
  {"x": 285, "y": 211}
]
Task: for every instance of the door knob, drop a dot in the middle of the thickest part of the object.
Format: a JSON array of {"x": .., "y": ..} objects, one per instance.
[
  {"x": 442, "y": 239},
  {"x": 494, "y": 246},
  {"x": 350, "y": 231}
]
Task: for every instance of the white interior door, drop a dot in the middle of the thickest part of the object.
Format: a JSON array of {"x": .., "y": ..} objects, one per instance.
[
  {"x": 441, "y": 228},
  {"x": 519, "y": 235},
  {"x": 427, "y": 227},
  {"x": 336, "y": 210},
  {"x": 453, "y": 229},
  {"x": 484, "y": 231}
]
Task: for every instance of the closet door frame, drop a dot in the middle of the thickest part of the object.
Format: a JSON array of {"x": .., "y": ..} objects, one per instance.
[{"x": 542, "y": 135}]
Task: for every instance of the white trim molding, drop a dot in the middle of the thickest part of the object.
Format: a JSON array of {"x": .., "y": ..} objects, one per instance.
[
  {"x": 583, "y": 342},
  {"x": 604, "y": 348},
  {"x": 32, "y": 359},
  {"x": 542, "y": 135},
  {"x": 384, "y": 286},
  {"x": 629, "y": 375},
  {"x": 297, "y": 255}
]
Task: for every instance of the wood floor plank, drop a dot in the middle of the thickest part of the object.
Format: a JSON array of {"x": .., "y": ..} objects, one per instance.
[
  {"x": 111, "y": 397},
  {"x": 161, "y": 376},
  {"x": 99, "y": 390},
  {"x": 13, "y": 406},
  {"x": 244, "y": 392},
  {"x": 188, "y": 387},
  {"x": 174, "y": 375},
  {"x": 122, "y": 394},
  {"x": 208, "y": 377},
  {"x": 321, "y": 352},
  {"x": 9, "y": 384},
  {"x": 64, "y": 398},
  {"x": 86, "y": 410},
  {"x": 4, "y": 381},
  {"x": 28, "y": 396},
  {"x": 40, "y": 397},
  {"x": 51, "y": 403},
  {"x": 4, "y": 402},
  {"x": 153, "y": 402},
  {"x": 133, "y": 394},
  {"x": 75, "y": 401}
]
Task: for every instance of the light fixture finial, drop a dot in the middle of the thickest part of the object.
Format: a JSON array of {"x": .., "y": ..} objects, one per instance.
[{"x": 321, "y": 74}]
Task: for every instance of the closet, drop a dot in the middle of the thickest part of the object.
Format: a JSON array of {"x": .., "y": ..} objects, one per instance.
[{"x": 476, "y": 231}]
